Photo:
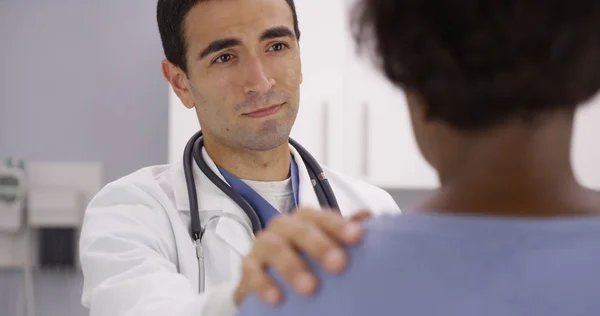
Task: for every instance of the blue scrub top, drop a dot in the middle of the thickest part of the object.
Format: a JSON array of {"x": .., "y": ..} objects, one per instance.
[
  {"x": 264, "y": 209},
  {"x": 454, "y": 265}
]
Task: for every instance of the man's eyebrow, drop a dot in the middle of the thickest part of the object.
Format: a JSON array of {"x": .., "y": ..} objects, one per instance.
[
  {"x": 275, "y": 32},
  {"x": 224, "y": 43},
  {"x": 218, "y": 45}
]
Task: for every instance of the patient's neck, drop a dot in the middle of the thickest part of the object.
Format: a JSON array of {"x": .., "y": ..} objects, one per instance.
[{"x": 514, "y": 171}]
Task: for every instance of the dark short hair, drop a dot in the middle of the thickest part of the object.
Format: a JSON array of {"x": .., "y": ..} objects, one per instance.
[
  {"x": 480, "y": 63},
  {"x": 171, "y": 14}
]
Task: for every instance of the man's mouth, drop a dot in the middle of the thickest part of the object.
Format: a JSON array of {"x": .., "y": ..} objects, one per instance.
[{"x": 265, "y": 111}]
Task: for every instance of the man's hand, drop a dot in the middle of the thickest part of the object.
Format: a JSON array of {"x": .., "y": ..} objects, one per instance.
[{"x": 320, "y": 234}]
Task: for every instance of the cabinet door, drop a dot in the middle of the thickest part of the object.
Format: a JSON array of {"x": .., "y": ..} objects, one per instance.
[
  {"x": 387, "y": 153},
  {"x": 354, "y": 94},
  {"x": 318, "y": 125},
  {"x": 586, "y": 146}
]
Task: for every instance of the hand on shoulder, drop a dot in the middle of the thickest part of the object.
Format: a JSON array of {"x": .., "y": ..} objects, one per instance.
[{"x": 320, "y": 234}]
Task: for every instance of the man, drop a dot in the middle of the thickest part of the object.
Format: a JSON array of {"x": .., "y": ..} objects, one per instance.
[
  {"x": 237, "y": 63},
  {"x": 492, "y": 89}
]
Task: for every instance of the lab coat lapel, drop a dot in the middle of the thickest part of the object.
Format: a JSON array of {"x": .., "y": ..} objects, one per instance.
[
  {"x": 231, "y": 231},
  {"x": 212, "y": 201},
  {"x": 307, "y": 196}
]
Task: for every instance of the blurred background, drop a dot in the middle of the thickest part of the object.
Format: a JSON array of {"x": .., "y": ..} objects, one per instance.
[{"x": 83, "y": 102}]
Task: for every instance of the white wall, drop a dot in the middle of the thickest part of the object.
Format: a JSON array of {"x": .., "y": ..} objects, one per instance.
[
  {"x": 81, "y": 80},
  {"x": 183, "y": 123}
]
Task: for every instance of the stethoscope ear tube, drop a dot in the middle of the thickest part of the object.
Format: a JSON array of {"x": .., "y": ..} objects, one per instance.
[
  {"x": 191, "y": 187},
  {"x": 333, "y": 203},
  {"x": 322, "y": 187},
  {"x": 323, "y": 201}
]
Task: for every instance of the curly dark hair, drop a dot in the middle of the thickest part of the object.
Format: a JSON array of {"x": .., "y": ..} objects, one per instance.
[
  {"x": 170, "y": 15},
  {"x": 478, "y": 63}
]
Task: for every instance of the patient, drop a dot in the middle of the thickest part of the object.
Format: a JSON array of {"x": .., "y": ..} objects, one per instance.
[{"x": 492, "y": 88}]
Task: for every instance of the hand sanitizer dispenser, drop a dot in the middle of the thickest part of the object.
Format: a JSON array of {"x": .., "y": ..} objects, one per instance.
[{"x": 13, "y": 190}]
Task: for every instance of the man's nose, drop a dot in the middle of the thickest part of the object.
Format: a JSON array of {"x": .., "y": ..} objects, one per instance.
[{"x": 258, "y": 80}]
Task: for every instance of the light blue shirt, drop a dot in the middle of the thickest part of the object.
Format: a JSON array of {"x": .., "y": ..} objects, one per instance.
[{"x": 433, "y": 264}]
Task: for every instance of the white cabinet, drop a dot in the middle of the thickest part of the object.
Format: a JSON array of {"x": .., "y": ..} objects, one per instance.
[
  {"x": 318, "y": 126},
  {"x": 377, "y": 131},
  {"x": 379, "y": 146},
  {"x": 376, "y": 138},
  {"x": 586, "y": 145}
]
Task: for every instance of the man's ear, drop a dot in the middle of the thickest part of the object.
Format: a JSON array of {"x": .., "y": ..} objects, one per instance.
[{"x": 178, "y": 80}]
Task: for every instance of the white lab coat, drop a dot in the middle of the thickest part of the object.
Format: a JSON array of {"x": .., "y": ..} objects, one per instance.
[{"x": 137, "y": 255}]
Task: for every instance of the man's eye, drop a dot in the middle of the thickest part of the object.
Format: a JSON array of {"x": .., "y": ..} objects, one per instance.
[
  {"x": 223, "y": 58},
  {"x": 277, "y": 47}
]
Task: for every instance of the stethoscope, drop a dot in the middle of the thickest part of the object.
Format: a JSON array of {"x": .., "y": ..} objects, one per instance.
[{"x": 193, "y": 150}]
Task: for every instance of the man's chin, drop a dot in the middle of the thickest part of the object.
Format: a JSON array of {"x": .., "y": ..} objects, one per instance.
[{"x": 266, "y": 140}]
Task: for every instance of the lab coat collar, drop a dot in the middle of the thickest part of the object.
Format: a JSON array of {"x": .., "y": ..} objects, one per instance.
[{"x": 212, "y": 201}]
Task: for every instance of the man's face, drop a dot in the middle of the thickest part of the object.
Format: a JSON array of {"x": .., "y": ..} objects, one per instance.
[{"x": 244, "y": 71}]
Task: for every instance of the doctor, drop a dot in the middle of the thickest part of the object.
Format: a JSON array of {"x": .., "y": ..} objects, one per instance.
[{"x": 237, "y": 63}]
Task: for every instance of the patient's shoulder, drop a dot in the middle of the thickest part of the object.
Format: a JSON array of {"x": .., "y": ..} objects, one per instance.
[
  {"x": 406, "y": 262},
  {"x": 336, "y": 291}
]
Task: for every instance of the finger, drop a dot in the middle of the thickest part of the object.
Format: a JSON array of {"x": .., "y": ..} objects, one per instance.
[
  {"x": 258, "y": 281},
  {"x": 274, "y": 250},
  {"x": 307, "y": 236},
  {"x": 343, "y": 230},
  {"x": 361, "y": 216}
]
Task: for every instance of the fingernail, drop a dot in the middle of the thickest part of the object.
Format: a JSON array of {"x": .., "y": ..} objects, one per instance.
[
  {"x": 271, "y": 296},
  {"x": 335, "y": 259},
  {"x": 304, "y": 283},
  {"x": 352, "y": 230}
]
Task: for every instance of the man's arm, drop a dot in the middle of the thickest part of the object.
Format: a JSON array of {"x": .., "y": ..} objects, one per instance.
[{"x": 128, "y": 256}]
